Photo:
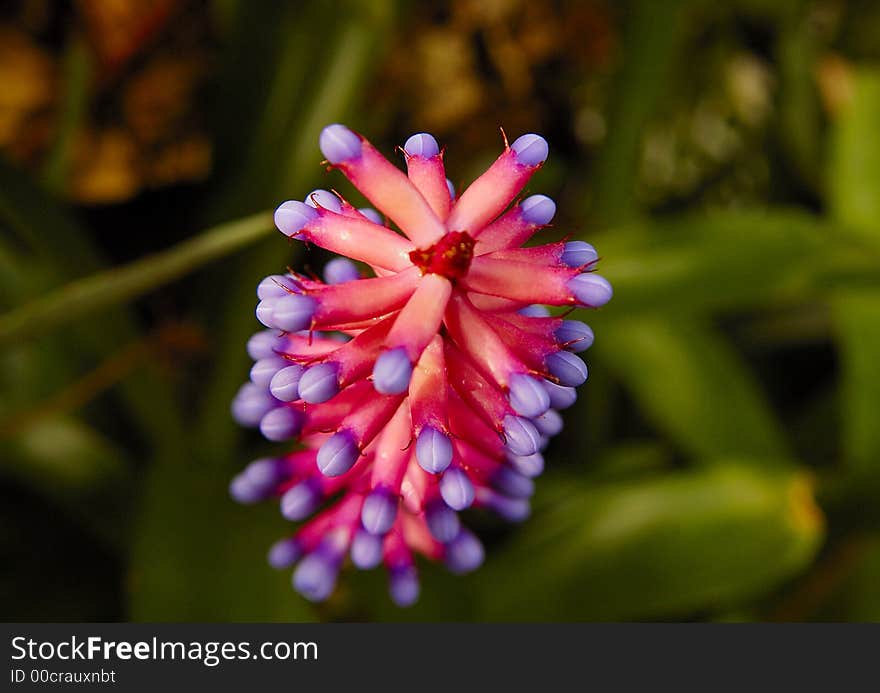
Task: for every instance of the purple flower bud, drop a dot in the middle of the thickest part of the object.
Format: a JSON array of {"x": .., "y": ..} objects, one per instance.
[
  {"x": 339, "y": 144},
  {"x": 512, "y": 483},
  {"x": 265, "y": 474},
  {"x": 591, "y": 290},
  {"x": 293, "y": 312},
  {"x": 319, "y": 383},
  {"x": 451, "y": 188},
  {"x": 574, "y": 335},
  {"x": 404, "y": 586},
  {"x": 264, "y": 312},
  {"x": 379, "y": 511},
  {"x": 281, "y": 424},
  {"x": 263, "y": 344},
  {"x": 510, "y": 509},
  {"x": 392, "y": 372},
  {"x": 265, "y": 369},
  {"x": 242, "y": 491},
  {"x": 300, "y": 500},
  {"x": 530, "y": 150},
  {"x": 579, "y": 254},
  {"x": 323, "y": 199},
  {"x": 561, "y": 396},
  {"x": 527, "y": 395},
  {"x": 534, "y": 311},
  {"x": 464, "y": 553},
  {"x": 456, "y": 489},
  {"x": 527, "y": 465},
  {"x": 274, "y": 286},
  {"x": 366, "y": 550},
  {"x": 284, "y": 385},
  {"x": 337, "y": 454},
  {"x": 538, "y": 210},
  {"x": 372, "y": 215},
  {"x": 292, "y": 216},
  {"x": 284, "y": 553},
  {"x": 423, "y": 145},
  {"x": 433, "y": 450},
  {"x": 442, "y": 521},
  {"x": 251, "y": 404},
  {"x": 568, "y": 368},
  {"x": 549, "y": 424},
  {"x": 340, "y": 270},
  {"x": 315, "y": 576},
  {"x": 522, "y": 438}
]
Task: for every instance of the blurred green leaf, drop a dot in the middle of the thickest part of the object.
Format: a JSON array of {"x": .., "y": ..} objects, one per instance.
[
  {"x": 854, "y": 169},
  {"x": 662, "y": 547},
  {"x": 75, "y": 467},
  {"x": 121, "y": 284},
  {"x": 653, "y": 31},
  {"x": 857, "y": 319},
  {"x": 726, "y": 260},
  {"x": 692, "y": 385}
]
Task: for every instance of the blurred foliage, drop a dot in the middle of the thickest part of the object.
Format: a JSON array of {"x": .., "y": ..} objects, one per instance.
[{"x": 725, "y": 159}]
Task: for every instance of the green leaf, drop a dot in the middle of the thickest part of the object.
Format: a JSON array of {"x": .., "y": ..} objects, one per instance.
[
  {"x": 660, "y": 548},
  {"x": 857, "y": 319},
  {"x": 854, "y": 171},
  {"x": 120, "y": 284},
  {"x": 692, "y": 386}
]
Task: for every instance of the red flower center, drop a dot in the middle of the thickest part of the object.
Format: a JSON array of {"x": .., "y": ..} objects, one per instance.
[{"x": 449, "y": 257}]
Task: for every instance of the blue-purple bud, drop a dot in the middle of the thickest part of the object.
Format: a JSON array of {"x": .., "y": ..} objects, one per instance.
[
  {"x": 340, "y": 270},
  {"x": 535, "y": 310},
  {"x": 284, "y": 553},
  {"x": 264, "y": 312},
  {"x": 549, "y": 424},
  {"x": 561, "y": 396},
  {"x": 339, "y": 144},
  {"x": 251, "y": 404},
  {"x": 284, "y": 385},
  {"x": 300, "y": 500},
  {"x": 366, "y": 550},
  {"x": 451, "y": 188},
  {"x": 538, "y": 210},
  {"x": 442, "y": 521},
  {"x": 456, "y": 489},
  {"x": 512, "y": 483},
  {"x": 530, "y": 150},
  {"x": 319, "y": 383},
  {"x": 274, "y": 286},
  {"x": 315, "y": 576},
  {"x": 464, "y": 553},
  {"x": 423, "y": 145},
  {"x": 527, "y": 465},
  {"x": 379, "y": 511},
  {"x": 574, "y": 335},
  {"x": 392, "y": 372},
  {"x": 266, "y": 473},
  {"x": 527, "y": 396},
  {"x": 433, "y": 450},
  {"x": 323, "y": 199},
  {"x": 590, "y": 290},
  {"x": 281, "y": 424},
  {"x": 265, "y": 369},
  {"x": 263, "y": 344},
  {"x": 292, "y": 216},
  {"x": 242, "y": 491},
  {"x": 568, "y": 368},
  {"x": 510, "y": 509},
  {"x": 404, "y": 586},
  {"x": 521, "y": 436},
  {"x": 372, "y": 215},
  {"x": 293, "y": 312},
  {"x": 338, "y": 454},
  {"x": 579, "y": 254}
]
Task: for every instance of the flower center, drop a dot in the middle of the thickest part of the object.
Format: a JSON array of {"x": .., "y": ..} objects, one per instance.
[{"x": 449, "y": 257}]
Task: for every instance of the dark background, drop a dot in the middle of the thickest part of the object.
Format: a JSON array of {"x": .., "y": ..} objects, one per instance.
[{"x": 723, "y": 461}]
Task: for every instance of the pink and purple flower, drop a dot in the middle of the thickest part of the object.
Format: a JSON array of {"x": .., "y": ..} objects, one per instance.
[{"x": 431, "y": 385}]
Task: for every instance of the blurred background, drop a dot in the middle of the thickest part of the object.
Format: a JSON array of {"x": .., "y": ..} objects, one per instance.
[{"x": 723, "y": 461}]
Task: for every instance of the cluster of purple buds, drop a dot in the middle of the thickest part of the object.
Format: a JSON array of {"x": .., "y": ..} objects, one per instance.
[{"x": 431, "y": 385}]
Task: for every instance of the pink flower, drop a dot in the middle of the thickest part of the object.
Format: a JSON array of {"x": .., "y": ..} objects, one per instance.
[{"x": 429, "y": 387}]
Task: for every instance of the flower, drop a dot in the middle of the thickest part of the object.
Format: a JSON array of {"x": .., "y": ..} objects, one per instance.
[{"x": 427, "y": 388}]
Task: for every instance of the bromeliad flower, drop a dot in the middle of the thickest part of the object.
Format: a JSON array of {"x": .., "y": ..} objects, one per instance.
[{"x": 427, "y": 388}]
